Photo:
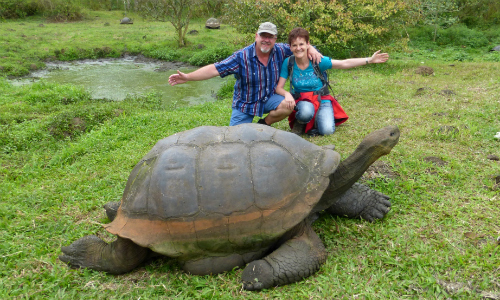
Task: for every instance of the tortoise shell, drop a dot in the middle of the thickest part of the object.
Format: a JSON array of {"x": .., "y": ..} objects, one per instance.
[
  {"x": 212, "y": 23},
  {"x": 126, "y": 20},
  {"x": 212, "y": 191}
]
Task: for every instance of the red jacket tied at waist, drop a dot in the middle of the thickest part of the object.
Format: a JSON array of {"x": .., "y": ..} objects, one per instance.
[{"x": 338, "y": 113}]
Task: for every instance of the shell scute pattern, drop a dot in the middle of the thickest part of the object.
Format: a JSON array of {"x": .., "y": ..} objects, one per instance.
[{"x": 248, "y": 185}]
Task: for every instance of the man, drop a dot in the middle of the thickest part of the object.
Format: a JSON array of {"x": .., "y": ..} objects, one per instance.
[{"x": 257, "y": 70}]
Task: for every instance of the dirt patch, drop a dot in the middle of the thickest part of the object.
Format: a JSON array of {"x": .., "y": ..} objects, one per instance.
[
  {"x": 440, "y": 114},
  {"x": 493, "y": 157},
  {"x": 446, "y": 129},
  {"x": 78, "y": 124},
  {"x": 435, "y": 160},
  {"x": 447, "y": 93},
  {"x": 423, "y": 91},
  {"x": 424, "y": 71}
]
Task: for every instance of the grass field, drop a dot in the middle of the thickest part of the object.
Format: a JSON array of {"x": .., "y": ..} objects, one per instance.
[{"x": 63, "y": 156}]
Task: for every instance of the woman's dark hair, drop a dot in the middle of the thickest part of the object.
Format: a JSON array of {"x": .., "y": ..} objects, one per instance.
[{"x": 298, "y": 32}]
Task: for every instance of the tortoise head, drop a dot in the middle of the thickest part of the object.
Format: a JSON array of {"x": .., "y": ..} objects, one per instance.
[{"x": 379, "y": 142}]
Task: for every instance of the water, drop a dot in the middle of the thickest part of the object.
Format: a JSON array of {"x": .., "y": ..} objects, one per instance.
[{"x": 116, "y": 78}]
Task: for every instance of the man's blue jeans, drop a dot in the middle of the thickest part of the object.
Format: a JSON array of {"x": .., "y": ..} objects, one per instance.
[{"x": 325, "y": 122}]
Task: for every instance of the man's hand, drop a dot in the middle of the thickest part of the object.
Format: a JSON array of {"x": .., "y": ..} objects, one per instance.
[
  {"x": 314, "y": 55},
  {"x": 178, "y": 78},
  {"x": 378, "y": 57}
]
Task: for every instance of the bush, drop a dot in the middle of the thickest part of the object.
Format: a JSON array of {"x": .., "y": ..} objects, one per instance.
[
  {"x": 359, "y": 26},
  {"x": 13, "y": 9},
  {"x": 480, "y": 13},
  {"x": 54, "y": 10},
  {"x": 162, "y": 53},
  {"x": 72, "y": 123},
  {"x": 209, "y": 56},
  {"x": 51, "y": 93},
  {"x": 227, "y": 89},
  {"x": 61, "y": 10},
  {"x": 67, "y": 54},
  {"x": 458, "y": 35}
]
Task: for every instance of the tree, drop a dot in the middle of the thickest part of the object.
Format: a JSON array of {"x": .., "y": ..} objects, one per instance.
[
  {"x": 436, "y": 13},
  {"x": 213, "y": 7},
  {"x": 177, "y": 12},
  {"x": 333, "y": 25}
]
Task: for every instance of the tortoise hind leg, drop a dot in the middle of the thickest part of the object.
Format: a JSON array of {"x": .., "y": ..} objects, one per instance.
[
  {"x": 361, "y": 201},
  {"x": 91, "y": 252},
  {"x": 299, "y": 257}
]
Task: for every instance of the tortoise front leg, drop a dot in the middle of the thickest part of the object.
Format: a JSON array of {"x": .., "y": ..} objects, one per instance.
[
  {"x": 297, "y": 258},
  {"x": 91, "y": 252},
  {"x": 361, "y": 201}
]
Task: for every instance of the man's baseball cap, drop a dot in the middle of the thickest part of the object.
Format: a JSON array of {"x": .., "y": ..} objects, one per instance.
[{"x": 268, "y": 27}]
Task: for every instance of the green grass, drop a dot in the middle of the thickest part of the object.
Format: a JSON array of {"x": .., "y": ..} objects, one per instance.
[
  {"x": 438, "y": 241},
  {"x": 28, "y": 43}
]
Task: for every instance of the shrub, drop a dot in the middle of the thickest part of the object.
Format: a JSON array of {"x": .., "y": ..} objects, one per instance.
[
  {"x": 54, "y": 10},
  {"x": 43, "y": 92},
  {"x": 479, "y": 12},
  {"x": 61, "y": 10},
  {"x": 74, "y": 122},
  {"x": 458, "y": 35},
  {"x": 209, "y": 56},
  {"x": 13, "y": 9},
  {"x": 162, "y": 53},
  {"x": 151, "y": 101},
  {"x": 332, "y": 25},
  {"x": 226, "y": 90}
]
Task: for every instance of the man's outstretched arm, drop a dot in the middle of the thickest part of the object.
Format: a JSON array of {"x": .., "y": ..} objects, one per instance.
[{"x": 203, "y": 73}]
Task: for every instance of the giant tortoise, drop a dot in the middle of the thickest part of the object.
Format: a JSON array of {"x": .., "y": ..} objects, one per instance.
[
  {"x": 219, "y": 197},
  {"x": 212, "y": 23}
]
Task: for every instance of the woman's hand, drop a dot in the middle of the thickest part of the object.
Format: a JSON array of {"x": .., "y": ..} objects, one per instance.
[{"x": 289, "y": 101}]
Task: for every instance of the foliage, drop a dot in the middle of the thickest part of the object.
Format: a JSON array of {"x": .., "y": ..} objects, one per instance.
[
  {"x": 13, "y": 9},
  {"x": 458, "y": 35},
  {"x": 359, "y": 26},
  {"x": 210, "y": 55},
  {"x": 54, "y": 10},
  {"x": 436, "y": 13},
  {"x": 66, "y": 54},
  {"x": 103, "y": 4},
  {"x": 480, "y": 13},
  {"x": 213, "y": 8},
  {"x": 226, "y": 90},
  {"x": 54, "y": 94},
  {"x": 163, "y": 54},
  {"x": 26, "y": 45},
  {"x": 61, "y": 10},
  {"x": 177, "y": 12}
]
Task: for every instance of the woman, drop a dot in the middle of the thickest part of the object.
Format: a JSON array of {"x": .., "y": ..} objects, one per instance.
[{"x": 316, "y": 109}]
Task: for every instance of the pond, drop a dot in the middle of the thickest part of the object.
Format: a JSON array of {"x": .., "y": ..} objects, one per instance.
[{"x": 132, "y": 75}]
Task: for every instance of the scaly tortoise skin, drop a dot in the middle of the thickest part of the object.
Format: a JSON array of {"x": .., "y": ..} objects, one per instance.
[{"x": 220, "y": 197}]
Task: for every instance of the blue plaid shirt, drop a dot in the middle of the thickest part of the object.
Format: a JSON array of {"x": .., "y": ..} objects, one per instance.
[{"x": 255, "y": 83}]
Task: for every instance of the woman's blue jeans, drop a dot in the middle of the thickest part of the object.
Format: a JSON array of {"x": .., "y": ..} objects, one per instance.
[{"x": 325, "y": 122}]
